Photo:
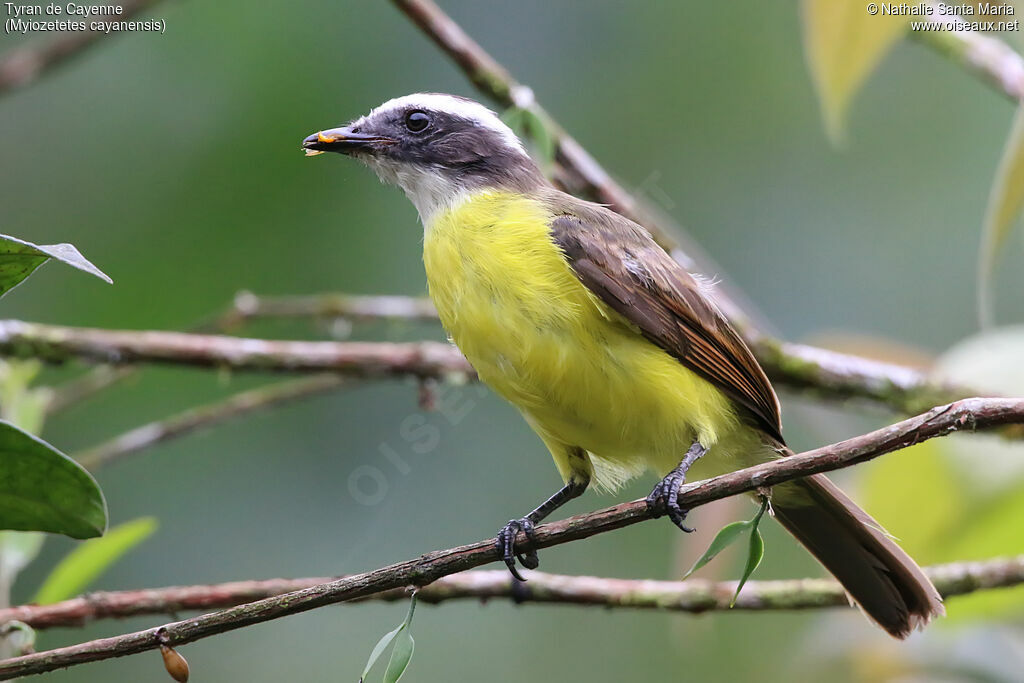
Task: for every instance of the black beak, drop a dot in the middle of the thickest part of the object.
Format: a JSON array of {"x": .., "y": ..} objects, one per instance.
[{"x": 342, "y": 140}]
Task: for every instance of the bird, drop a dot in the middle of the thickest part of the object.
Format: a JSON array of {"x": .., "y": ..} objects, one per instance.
[{"x": 615, "y": 355}]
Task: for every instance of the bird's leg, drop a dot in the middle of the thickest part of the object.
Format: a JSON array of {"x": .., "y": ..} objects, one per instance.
[
  {"x": 664, "y": 499},
  {"x": 507, "y": 536}
]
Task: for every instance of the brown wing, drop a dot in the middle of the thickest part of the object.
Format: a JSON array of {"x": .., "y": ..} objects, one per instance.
[{"x": 619, "y": 262}]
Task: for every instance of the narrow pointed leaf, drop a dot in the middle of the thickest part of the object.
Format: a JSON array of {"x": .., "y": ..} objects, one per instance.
[
  {"x": 400, "y": 657},
  {"x": 378, "y": 650},
  {"x": 754, "y": 554},
  {"x": 1004, "y": 207},
  {"x": 19, "y": 259},
  {"x": 723, "y": 539},
  {"x": 41, "y": 489},
  {"x": 84, "y": 564},
  {"x": 844, "y": 43},
  {"x": 755, "y": 551}
]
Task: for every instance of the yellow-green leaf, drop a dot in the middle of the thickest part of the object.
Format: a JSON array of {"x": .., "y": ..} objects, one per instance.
[
  {"x": 917, "y": 496},
  {"x": 844, "y": 43},
  {"x": 992, "y": 530},
  {"x": 755, "y": 551},
  {"x": 84, "y": 564},
  {"x": 1004, "y": 207},
  {"x": 400, "y": 657}
]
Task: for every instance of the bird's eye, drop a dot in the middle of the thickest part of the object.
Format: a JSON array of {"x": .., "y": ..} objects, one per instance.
[{"x": 416, "y": 121}]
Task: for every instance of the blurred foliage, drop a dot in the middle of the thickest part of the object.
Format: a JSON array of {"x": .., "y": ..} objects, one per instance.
[
  {"x": 844, "y": 44},
  {"x": 177, "y": 159},
  {"x": 1004, "y": 208},
  {"x": 529, "y": 126},
  {"x": 962, "y": 497},
  {"x": 79, "y": 568}
]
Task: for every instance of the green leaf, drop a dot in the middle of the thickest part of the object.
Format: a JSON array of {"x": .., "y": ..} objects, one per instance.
[
  {"x": 378, "y": 650},
  {"x": 400, "y": 657},
  {"x": 920, "y": 516},
  {"x": 723, "y": 539},
  {"x": 383, "y": 643},
  {"x": 541, "y": 135},
  {"x": 84, "y": 564},
  {"x": 41, "y": 489},
  {"x": 1004, "y": 206},
  {"x": 991, "y": 530},
  {"x": 513, "y": 118},
  {"x": 18, "y": 260},
  {"x": 754, "y": 552},
  {"x": 844, "y": 44}
]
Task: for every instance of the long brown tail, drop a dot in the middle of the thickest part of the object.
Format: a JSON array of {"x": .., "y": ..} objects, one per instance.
[{"x": 877, "y": 574}]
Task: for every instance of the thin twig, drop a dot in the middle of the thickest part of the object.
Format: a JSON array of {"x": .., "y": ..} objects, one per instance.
[
  {"x": 804, "y": 368},
  {"x": 248, "y": 306},
  {"x": 201, "y": 417},
  {"x": 966, "y": 415},
  {"x": 693, "y": 595},
  {"x": 24, "y": 65},
  {"x": 86, "y": 386},
  {"x": 995, "y": 62}
]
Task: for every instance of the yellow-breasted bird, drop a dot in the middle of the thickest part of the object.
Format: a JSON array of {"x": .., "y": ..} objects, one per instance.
[{"x": 614, "y": 354}]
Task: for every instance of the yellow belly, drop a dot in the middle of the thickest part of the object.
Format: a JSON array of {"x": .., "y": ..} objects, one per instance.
[{"x": 580, "y": 374}]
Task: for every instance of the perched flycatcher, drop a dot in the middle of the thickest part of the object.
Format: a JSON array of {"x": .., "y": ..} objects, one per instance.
[{"x": 613, "y": 353}]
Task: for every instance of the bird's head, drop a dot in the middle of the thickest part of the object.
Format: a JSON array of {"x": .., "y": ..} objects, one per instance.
[{"x": 436, "y": 147}]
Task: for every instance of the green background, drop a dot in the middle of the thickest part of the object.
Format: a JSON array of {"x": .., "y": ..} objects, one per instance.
[{"x": 172, "y": 161}]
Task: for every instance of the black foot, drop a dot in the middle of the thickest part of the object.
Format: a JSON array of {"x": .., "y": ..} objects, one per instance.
[
  {"x": 506, "y": 542},
  {"x": 663, "y": 499}
]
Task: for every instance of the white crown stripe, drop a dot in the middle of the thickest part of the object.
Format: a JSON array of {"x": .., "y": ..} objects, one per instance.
[{"x": 466, "y": 109}]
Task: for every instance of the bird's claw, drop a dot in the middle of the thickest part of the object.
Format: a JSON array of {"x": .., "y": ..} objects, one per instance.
[
  {"x": 664, "y": 500},
  {"x": 506, "y": 542}
]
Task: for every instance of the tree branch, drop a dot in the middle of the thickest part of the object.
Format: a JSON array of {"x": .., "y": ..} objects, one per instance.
[
  {"x": 804, "y": 368},
  {"x": 24, "y": 65},
  {"x": 55, "y": 343},
  {"x": 575, "y": 170},
  {"x": 194, "y": 419},
  {"x": 693, "y": 595},
  {"x": 965, "y": 415},
  {"x": 834, "y": 375}
]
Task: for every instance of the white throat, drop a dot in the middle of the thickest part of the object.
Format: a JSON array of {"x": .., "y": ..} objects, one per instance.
[{"x": 429, "y": 190}]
